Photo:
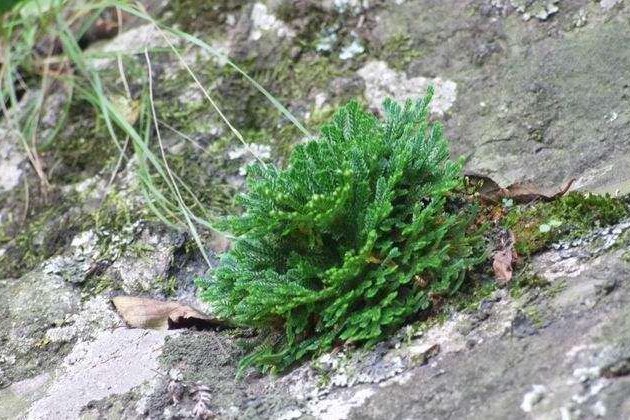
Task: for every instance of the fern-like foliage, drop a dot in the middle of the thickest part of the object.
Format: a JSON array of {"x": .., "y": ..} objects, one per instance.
[{"x": 360, "y": 232}]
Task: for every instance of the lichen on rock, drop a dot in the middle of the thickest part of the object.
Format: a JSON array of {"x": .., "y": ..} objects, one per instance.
[{"x": 382, "y": 82}]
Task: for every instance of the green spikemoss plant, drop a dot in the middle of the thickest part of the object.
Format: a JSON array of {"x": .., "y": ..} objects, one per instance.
[{"x": 363, "y": 230}]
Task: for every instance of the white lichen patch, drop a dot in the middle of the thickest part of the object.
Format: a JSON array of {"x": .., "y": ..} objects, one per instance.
[
  {"x": 327, "y": 41},
  {"x": 142, "y": 257},
  {"x": 249, "y": 154},
  {"x": 540, "y": 9},
  {"x": 37, "y": 299},
  {"x": 114, "y": 363},
  {"x": 351, "y": 50},
  {"x": 556, "y": 267},
  {"x": 290, "y": 414},
  {"x": 337, "y": 381},
  {"x": 263, "y": 21},
  {"x": 339, "y": 408},
  {"x": 382, "y": 82},
  {"x": 445, "y": 336},
  {"x": 609, "y": 4},
  {"x": 11, "y": 158},
  {"x": 336, "y": 376},
  {"x": 251, "y": 151},
  {"x": 74, "y": 266},
  {"x": 216, "y": 51},
  {"x": 582, "y": 389},
  {"x": 573, "y": 258},
  {"x": 353, "y": 6}
]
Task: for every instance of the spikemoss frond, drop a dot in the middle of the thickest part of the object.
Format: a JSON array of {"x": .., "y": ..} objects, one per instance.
[{"x": 353, "y": 238}]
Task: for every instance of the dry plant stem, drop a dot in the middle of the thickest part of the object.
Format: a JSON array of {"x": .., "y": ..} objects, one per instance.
[
  {"x": 30, "y": 150},
  {"x": 184, "y": 136},
  {"x": 138, "y": 10},
  {"x": 123, "y": 77},
  {"x": 168, "y": 170},
  {"x": 121, "y": 70},
  {"x": 44, "y": 94},
  {"x": 26, "y": 202},
  {"x": 119, "y": 56},
  {"x": 34, "y": 162},
  {"x": 116, "y": 169},
  {"x": 207, "y": 95}
]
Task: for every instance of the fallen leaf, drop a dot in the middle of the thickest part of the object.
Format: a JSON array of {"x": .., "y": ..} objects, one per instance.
[
  {"x": 161, "y": 315},
  {"x": 503, "y": 259},
  {"x": 502, "y": 266},
  {"x": 524, "y": 192}
]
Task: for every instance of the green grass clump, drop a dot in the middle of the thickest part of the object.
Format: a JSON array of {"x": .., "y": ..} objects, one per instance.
[
  {"x": 573, "y": 215},
  {"x": 363, "y": 230}
]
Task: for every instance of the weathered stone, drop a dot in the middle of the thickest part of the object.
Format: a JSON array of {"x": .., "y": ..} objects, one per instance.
[
  {"x": 526, "y": 89},
  {"x": 12, "y": 157},
  {"x": 29, "y": 306},
  {"x": 114, "y": 363}
]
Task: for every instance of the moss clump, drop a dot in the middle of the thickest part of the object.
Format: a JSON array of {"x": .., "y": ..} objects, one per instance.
[
  {"x": 97, "y": 284},
  {"x": 287, "y": 80},
  {"x": 205, "y": 17},
  {"x": 43, "y": 234},
  {"x": 207, "y": 173},
  {"x": 82, "y": 149},
  {"x": 472, "y": 295},
  {"x": 575, "y": 214},
  {"x": 398, "y": 51},
  {"x": 526, "y": 280},
  {"x": 362, "y": 231}
]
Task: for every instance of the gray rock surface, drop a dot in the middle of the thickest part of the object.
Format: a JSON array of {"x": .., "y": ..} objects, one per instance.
[
  {"x": 31, "y": 305},
  {"x": 12, "y": 157},
  {"x": 543, "y": 101},
  {"x": 527, "y": 90},
  {"x": 558, "y": 370}
]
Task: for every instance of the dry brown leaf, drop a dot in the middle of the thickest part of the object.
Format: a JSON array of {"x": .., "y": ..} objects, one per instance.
[
  {"x": 502, "y": 266},
  {"x": 504, "y": 258},
  {"x": 161, "y": 315},
  {"x": 519, "y": 192}
]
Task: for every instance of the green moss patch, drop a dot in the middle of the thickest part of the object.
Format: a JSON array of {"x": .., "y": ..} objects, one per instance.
[
  {"x": 49, "y": 229},
  {"x": 538, "y": 225},
  {"x": 398, "y": 51}
]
